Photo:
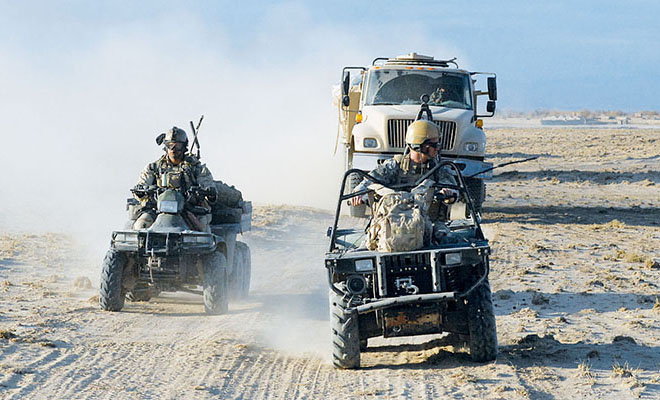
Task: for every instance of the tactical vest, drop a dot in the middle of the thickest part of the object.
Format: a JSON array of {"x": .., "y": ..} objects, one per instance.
[
  {"x": 180, "y": 176},
  {"x": 410, "y": 173}
]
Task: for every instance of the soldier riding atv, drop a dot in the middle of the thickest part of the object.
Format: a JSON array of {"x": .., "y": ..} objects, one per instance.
[
  {"x": 405, "y": 274},
  {"x": 181, "y": 235}
]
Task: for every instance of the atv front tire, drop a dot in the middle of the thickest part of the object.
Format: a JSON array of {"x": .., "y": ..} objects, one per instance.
[
  {"x": 216, "y": 299},
  {"x": 481, "y": 321},
  {"x": 345, "y": 334},
  {"x": 111, "y": 292}
]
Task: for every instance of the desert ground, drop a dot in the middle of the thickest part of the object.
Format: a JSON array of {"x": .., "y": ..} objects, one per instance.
[{"x": 575, "y": 266}]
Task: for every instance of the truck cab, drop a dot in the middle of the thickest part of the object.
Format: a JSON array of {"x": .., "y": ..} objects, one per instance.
[{"x": 379, "y": 102}]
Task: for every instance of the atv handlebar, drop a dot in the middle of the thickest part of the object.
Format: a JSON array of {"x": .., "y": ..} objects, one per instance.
[{"x": 192, "y": 193}]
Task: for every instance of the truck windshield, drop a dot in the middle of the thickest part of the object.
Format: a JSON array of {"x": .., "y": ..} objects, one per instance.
[{"x": 394, "y": 86}]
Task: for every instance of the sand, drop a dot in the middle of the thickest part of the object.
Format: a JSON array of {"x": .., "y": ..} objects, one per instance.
[{"x": 575, "y": 237}]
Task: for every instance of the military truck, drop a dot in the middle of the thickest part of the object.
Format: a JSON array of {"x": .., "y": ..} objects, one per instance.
[{"x": 377, "y": 103}]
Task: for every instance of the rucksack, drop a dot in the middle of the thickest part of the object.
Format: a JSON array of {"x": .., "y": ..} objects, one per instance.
[{"x": 400, "y": 223}]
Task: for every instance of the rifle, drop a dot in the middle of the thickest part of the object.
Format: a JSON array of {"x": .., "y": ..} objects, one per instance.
[
  {"x": 195, "y": 140},
  {"x": 503, "y": 165}
]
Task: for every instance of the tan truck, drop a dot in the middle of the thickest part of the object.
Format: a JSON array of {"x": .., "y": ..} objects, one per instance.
[{"x": 377, "y": 103}]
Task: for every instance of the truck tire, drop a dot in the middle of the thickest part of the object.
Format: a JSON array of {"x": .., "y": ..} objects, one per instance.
[
  {"x": 240, "y": 282},
  {"x": 111, "y": 292},
  {"x": 361, "y": 210},
  {"x": 481, "y": 322},
  {"x": 345, "y": 334},
  {"x": 216, "y": 298},
  {"x": 477, "y": 189}
]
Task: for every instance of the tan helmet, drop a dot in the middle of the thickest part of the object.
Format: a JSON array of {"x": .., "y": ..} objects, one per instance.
[
  {"x": 419, "y": 132},
  {"x": 176, "y": 135}
]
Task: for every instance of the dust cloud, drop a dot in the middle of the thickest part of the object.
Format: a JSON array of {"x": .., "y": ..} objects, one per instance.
[{"x": 82, "y": 106}]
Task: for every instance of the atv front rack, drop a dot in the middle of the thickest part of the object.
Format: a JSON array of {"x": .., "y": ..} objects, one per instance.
[{"x": 389, "y": 302}]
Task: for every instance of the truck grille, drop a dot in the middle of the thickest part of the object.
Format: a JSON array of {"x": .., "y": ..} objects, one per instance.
[{"x": 396, "y": 132}]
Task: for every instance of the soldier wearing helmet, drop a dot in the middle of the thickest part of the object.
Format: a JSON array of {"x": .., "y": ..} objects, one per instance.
[
  {"x": 178, "y": 170},
  {"x": 421, "y": 154}
]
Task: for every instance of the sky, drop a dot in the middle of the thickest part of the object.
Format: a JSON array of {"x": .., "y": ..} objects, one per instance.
[{"x": 86, "y": 86}]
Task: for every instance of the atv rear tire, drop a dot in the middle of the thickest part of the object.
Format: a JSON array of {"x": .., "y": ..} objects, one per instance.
[
  {"x": 361, "y": 210},
  {"x": 111, "y": 292},
  {"x": 216, "y": 296},
  {"x": 477, "y": 189},
  {"x": 345, "y": 334},
  {"x": 240, "y": 282},
  {"x": 481, "y": 321}
]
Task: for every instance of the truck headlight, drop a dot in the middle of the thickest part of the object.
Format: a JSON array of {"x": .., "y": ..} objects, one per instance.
[
  {"x": 364, "y": 265},
  {"x": 370, "y": 143},
  {"x": 471, "y": 147},
  {"x": 452, "y": 258}
]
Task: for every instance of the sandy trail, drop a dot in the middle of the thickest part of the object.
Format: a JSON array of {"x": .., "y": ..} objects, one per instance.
[{"x": 574, "y": 236}]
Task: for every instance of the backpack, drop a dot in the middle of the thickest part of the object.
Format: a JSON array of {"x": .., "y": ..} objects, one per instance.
[{"x": 400, "y": 223}]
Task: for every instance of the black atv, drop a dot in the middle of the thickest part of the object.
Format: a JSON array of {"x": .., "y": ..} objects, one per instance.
[
  {"x": 171, "y": 256},
  {"x": 442, "y": 287}
]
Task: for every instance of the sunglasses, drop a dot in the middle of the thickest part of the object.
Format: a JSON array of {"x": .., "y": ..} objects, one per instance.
[
  {"x": 435, "y": 145},
  {"x": 174, "y": 145}
]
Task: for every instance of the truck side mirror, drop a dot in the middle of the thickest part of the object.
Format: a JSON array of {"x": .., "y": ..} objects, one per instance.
[
  {"x": 345, "y": 83},
  {"x": 492, "y": 89},
  {"x": 490, "y": 107},
  {"x": 345, "y": 100}
]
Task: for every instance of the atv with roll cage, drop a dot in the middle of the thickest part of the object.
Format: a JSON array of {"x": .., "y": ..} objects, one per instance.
[{"x": 442, "y": 287}]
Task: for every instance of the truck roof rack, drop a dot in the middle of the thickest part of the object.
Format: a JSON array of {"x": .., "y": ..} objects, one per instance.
[{"x": 414, "y": 59}]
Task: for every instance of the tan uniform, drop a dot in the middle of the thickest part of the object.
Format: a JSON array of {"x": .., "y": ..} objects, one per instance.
[
  {"x": 401, "y": 170},
  {"x": 162, "y": 173}
]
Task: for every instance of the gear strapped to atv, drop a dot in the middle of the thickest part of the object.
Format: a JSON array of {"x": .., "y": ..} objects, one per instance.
[{"x": 432, "y": 281}]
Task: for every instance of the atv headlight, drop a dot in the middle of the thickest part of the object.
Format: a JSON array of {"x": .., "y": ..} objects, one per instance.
[
  {"x": 364, "y": 265},
  {"x": 471, "y": 147},
  {"x": 168, "y": 206},
  {"x": 126, "y": 237},
  {"x": 370, "y": 143},
  {"x": 202, "y": 239},
  {"x": 452, "y": 258}
]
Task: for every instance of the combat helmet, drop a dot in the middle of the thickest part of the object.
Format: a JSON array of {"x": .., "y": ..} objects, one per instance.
[
  {"x": 420, "y": 132},
  {"x": 175, "y": 134}
]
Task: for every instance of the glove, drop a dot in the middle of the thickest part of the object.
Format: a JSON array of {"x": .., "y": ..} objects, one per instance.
[{"x": 211, "y": 194}]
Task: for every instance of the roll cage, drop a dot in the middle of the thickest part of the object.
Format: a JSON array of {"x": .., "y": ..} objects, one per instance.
[{"x": 461, "y": 188}]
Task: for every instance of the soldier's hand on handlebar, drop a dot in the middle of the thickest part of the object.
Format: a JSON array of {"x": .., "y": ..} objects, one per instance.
[
  {"x": 447, "y": 195},
  {"x": 356, "y": 201},
  {"x": 211, "y": 193}
]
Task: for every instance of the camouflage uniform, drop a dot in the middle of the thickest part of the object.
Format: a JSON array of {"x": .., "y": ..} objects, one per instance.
[
  {"x": 190, "y": 172},
  {"x": 401, "y": 170}
]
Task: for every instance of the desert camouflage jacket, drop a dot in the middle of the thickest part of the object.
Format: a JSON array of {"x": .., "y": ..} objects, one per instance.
[
  {"x": 402, "y": 170},
  {"x": 191, "y": 172}
]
